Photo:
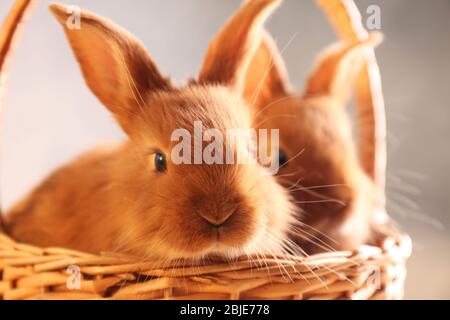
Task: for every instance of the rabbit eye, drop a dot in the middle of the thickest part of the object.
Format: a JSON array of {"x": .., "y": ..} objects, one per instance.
[
  {"x": 282, "y": 158},
  {"x": 160, "y": 162}
]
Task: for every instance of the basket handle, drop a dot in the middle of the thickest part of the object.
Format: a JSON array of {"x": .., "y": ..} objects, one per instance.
[
  {"x": 9, "y": 34},
  {"x": 346, "y": 20}
]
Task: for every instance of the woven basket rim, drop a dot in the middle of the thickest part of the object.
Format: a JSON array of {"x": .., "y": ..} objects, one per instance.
[
  {"x": 396, "y": 249},
  {"x": 30, "y": 272},
  {"x": 398, "y": 246}
]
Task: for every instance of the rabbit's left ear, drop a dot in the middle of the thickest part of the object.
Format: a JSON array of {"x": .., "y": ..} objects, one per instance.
[
  {"x": 266, "y": 77},
  {"x": 115, "y": 65},
  {"x": 337, "y": 69},
  {"x": 229, "y": 54}
]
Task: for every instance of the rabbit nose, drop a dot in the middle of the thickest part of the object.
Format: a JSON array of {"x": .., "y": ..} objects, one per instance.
[{"x": 216, "y": 220}]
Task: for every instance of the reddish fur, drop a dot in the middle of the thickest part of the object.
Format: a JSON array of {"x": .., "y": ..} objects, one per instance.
[
  {"x": 317, "y": 126},
  {"x": 112, "y": 199}
]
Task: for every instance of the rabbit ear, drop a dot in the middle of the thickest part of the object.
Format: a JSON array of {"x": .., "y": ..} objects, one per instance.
[
  {"x": 229, "y": 54},
  {"x": 266, "y": 77},
  {"x": 114, "y": 63},
  {"x": 338, "y": 67}
]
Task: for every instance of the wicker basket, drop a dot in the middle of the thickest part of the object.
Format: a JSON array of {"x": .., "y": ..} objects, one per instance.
[
  {"x": 371, "y": 272},
  {"x": 28, "y": 272}
]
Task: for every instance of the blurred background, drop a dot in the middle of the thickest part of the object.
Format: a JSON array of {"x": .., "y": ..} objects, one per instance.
[{"x": 51, "y": 116}]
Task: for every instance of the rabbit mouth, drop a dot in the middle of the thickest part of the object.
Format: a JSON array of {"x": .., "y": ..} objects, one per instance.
[
  {"x": 244, "y": 240},
  {"x": 222, "y": 241},
  {"x": 226, "y": 243}
]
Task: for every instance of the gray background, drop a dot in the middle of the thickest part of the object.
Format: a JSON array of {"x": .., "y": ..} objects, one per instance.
[{"x": 51, "y": 116}]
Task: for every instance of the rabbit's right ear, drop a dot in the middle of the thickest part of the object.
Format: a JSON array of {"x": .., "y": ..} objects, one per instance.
[
  {"x": 267, "y": 77},
  {"x": 229, "y": 54},
  {"x": 338, "y": 67},
  {"x": 114, "y": 63}
]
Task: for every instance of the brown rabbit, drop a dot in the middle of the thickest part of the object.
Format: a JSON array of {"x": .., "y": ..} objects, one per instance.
[
  {"x": 131, "y": 197},
  {"x": 318, "y": 160}
]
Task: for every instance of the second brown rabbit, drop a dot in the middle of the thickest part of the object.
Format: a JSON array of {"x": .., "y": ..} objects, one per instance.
[{"x": 318, "y": 160}]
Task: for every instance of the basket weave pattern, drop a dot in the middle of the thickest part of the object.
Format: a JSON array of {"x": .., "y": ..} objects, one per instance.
[{"x": 28, "y": 272}]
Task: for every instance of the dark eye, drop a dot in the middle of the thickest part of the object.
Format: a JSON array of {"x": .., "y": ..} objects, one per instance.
[
  {"x": 282, "y": 158},
  {"x": 160, "y": 162}
]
